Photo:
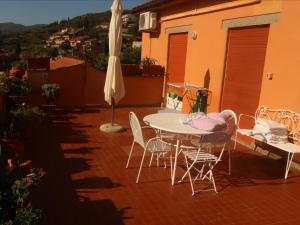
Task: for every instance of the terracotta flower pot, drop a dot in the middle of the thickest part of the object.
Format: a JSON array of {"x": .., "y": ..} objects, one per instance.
[
  {"x": 16, "y": 71},
  {"x": 153, "y": 70}
]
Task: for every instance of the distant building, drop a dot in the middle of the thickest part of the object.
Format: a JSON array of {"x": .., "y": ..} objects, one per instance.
[
  {"x": 103, "y": 25},
  {"x": 136, "y": 44},
  {"x": 5, "y": 59},
  {"x": 128, "y": 18},
  {"x": 92, "y": 46},
  {"x": 67, "y": 34}
]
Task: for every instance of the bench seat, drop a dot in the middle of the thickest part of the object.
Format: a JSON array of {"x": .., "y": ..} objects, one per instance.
[{"x": 288, "y": 118}]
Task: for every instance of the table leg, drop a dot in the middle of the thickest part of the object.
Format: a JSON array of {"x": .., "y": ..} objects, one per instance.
[{"x": 175, "y": 161}]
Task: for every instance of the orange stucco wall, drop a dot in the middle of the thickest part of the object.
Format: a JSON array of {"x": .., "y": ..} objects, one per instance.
[
  {"x": 82, "y": 85},
  {"x": 206, "y": 55}
]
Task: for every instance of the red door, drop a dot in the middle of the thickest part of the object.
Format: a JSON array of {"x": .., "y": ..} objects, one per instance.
[
  {"x": 177, "y": 57},
  {"x": 245, "y": 61}
]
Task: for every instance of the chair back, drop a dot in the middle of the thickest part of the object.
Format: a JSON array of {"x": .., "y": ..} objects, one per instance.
[
  {"x": 136, "y": 129},
  {"x": 231, "y": 120}
]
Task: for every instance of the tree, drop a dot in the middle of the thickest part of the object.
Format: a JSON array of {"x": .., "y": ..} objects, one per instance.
[
  {"x": 86, "y": 24},
  {"x": 53, "y": 53},
  {"x": 1, "y": 38},
  {"x": 17, "y": 49},
  {"x": 65, "y": 46}
]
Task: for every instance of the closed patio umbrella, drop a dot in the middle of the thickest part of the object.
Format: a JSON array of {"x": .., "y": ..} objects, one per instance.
[{"x": 114, "y": 89}]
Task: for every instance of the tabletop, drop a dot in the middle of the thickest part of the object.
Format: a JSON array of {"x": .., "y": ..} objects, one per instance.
[{"x": 171, "y": 122}]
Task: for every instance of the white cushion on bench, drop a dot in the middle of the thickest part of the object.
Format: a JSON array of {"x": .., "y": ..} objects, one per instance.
[{"x": 270, "y": 131}]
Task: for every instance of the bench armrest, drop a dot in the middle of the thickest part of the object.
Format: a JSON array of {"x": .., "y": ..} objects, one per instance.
[{"x": 244, "y": 116}]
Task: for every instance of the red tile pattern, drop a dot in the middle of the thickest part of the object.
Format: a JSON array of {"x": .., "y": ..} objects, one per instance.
[{"x": 87, "y": 183}]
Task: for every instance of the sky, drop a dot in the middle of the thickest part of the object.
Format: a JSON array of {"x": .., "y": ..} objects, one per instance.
[{"x": 29, "y": 12}]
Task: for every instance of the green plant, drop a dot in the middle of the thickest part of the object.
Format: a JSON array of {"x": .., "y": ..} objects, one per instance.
[
  {"x": 19, "y": 64},
  {"x": 147, "y": 61},
  {"x": 28, "y": 114},
  {"x": 100, "y": 62},
  {"x": 4, "y": 83},
  {"x": 131, "y": 56},
  {"x": 19, "y": 86},
  {"x": 51, "y": 92},
  {"x": 16, "y": 181},
  {"x": 7, "y": 130}
]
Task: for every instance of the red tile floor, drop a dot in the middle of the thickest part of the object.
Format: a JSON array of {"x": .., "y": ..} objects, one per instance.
[{"x": 87, "y": 183}]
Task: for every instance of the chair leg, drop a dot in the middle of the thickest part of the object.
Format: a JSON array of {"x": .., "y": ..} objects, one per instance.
[
  {"x": 138, "y": 176},
  {"x": 229, "y": 161},
  {"x": 189, "y": 173},
  {"x": 171, "y": 165},
  {"x": 235, "y": 140},
  {"x": 288, "y": 164},
  {"x": 151, "y": 159},
  {"x": 188, "y": 169},
  {"x": 212, "y": 179},
  {"x": 129, "y": 157}
]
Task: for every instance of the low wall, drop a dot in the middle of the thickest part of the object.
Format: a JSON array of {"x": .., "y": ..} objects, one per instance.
[
  {"x": 82, "y": 85},
  {"x": 139, "y": 90}
]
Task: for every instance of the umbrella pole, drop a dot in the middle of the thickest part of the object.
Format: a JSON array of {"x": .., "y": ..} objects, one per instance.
[
  {"x": 113, "y": 111},
  {"x": 111, "y": 126}
]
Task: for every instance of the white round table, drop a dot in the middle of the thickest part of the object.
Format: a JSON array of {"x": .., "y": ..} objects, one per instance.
[{"x": 170, "y": 122}]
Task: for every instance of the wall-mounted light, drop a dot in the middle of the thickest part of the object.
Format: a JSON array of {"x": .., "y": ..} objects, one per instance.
[
  {"x": 45, "y": 76},
  {"x": 269, "y": 75},
  {"x": 194, "y": 35}
]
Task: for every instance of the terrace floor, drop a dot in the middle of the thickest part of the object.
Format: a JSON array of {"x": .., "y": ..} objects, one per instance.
[{"x": 87, "y": 183}]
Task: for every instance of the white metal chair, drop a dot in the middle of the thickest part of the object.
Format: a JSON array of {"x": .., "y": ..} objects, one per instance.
[
  {"x": 154, "y": 145},
  {"x": 204, "y": 155},
  {"x": 210, "y": 141}
]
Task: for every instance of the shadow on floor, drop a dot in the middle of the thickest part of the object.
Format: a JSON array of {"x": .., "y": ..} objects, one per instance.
[{"x": 59, "y": 193}]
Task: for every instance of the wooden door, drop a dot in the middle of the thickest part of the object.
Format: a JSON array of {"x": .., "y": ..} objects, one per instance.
[
  {"x": 177, "y": 57},
  {"x": 245, "y": 61}
]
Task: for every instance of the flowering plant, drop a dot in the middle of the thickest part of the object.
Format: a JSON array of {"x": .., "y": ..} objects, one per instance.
[{"x": 16, "y": 181}]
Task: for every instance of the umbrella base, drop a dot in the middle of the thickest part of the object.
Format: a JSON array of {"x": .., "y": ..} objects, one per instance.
[{"x": 110, "y": 128}]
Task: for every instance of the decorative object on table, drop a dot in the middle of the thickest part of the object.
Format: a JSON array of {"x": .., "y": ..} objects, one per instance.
[
  {"x": 51, "y": 92},
  {"x": 114, "y": 89},
  {"x": 192, "y": 116}
]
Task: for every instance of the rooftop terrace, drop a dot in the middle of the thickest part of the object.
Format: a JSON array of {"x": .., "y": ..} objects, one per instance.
[{"x": 87, "y": 183}]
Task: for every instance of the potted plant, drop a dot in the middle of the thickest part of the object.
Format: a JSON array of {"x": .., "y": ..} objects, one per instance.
[
  {"x": 3, "y": 95},
  {"x": 18, "y": 69},
  {"x": 19, "y": 89},
  {"x": 51, "y": 92},
  {"x": 26, "y": 118},
  {"x": 130, "y": 61},
  {"x": 9, "y": 138},
  {"x": 16, "y": 181},
  {"x": 149, "y": 67}
]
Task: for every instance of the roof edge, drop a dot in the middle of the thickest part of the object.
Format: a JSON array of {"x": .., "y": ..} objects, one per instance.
[{"x": 148, "y": 5}]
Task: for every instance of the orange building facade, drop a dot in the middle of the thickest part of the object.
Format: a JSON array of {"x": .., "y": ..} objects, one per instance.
[{"x": 247, "y": 52}]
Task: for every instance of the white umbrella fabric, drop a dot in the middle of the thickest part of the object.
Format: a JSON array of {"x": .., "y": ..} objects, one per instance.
[{"x": 114, "y": 89}]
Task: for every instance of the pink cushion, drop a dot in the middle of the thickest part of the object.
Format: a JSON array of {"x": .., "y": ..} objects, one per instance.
[
  {"x": 208, "y": 124},
  {"x": 217, "y": 116}
]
